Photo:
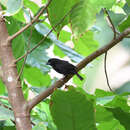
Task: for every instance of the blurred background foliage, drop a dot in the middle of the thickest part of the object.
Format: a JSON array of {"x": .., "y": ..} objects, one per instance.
[{"x": 86, "y": 105}]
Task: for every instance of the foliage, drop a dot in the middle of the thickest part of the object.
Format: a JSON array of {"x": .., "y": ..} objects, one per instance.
[{"x": 87, "y": 30}]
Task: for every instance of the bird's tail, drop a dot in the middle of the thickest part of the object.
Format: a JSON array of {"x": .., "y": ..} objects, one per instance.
[{"x": 81, "y": 78}]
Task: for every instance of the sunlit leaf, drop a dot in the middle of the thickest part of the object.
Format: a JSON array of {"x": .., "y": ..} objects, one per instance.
[{"x": 68, "y": 111}]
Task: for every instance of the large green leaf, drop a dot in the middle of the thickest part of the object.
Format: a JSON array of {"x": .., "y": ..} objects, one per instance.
[{"x": 72, "y": 110}]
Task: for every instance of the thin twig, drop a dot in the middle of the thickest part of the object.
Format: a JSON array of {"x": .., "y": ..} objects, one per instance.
[
  {"x": 4, "y": 97},
  {"x": 105, "y": 68},
  {"x": 109, "y": 20},
  {"x": 25, "y": 58},
  {"x": 20, "y": 58},
  {"x": 5, "y": 106},
  {"x": 29, "y": 24},
  {"x": 110, "y": 23}
]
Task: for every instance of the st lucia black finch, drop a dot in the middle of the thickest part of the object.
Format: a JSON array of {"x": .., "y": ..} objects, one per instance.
[{"x": 63, "y": 67}]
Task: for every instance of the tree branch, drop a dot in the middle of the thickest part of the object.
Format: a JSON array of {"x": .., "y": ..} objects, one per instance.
[
  {"x": 4, "y": 97},
  {"x": 5, "y": 106},
  {"x": 29, "y": 24},
  {"x": 81, "y": 65}
]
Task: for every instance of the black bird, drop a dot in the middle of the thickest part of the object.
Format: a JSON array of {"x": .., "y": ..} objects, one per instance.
[{"x": 63, "y": 67}]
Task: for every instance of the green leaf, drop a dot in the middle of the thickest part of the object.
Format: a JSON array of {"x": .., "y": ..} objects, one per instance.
[
  {"x": 125, "y": 24},
  {"x": 13, "y": 6},
  {"x": 58, "y": 52},
  {"x": 123, "y": 117},
  {"x": 119, "y": 101},
  {"x": 73, "y": 55},
  {"x": 25, "y": 89},
  {"x": 78, "y": 82},
  {"x": 9, "y": 128},
  {"x": 64, "y": 36},
  {"x": 18, "y": 42},
  {"x": 6, "y": 114},
  {"x": 20, "y": 16},
  {"x": 103, "y": 97},
  {"x": 35, "y": 77},
  {"x": 103, "y": 115},
  {"x": 57, "y": 10},
  {"x": 81, "y": 18},
  {"x": 128, "y": 2},
  {"x": 110, "y": 125},
  {"x": 86, "y": 44},
  {"x": 2, "y": 87},
  {"x": 102, "y": 93},
  {"x": 126, "y": 9},
  {"x": 31, "y": 5},
  {"x": 104, "y": 100},
  {"x": 40, "y": 126},
  {"x": 68, "y": 111},
  {"x": 84, "y": 15}
]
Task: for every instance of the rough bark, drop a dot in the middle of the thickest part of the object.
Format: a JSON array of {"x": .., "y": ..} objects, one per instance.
[{"x": 15, "y": 94}]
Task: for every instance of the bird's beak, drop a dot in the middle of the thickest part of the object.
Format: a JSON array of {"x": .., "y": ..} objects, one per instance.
[{"x": 47, "y": 63}]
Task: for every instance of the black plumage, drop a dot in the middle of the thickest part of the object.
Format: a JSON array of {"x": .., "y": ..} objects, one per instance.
[{"x": 63, "y": 67}]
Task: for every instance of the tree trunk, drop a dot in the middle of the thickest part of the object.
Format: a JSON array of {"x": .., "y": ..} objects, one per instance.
[{"x": 15, "y": 94}]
